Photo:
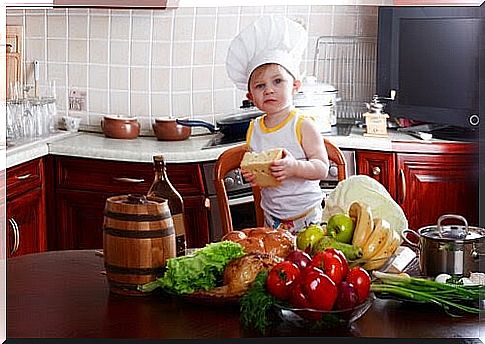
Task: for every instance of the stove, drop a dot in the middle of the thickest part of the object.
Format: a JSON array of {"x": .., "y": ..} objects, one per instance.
[{"x": 220, "y": 140}]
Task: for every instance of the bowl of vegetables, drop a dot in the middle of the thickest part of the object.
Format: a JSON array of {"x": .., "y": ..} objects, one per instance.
[
  {"x": 309, "y": 293},
  {"x": 317, "y": 320}
]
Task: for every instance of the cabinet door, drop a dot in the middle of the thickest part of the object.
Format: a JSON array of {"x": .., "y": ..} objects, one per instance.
[
  {"x": 197, "y": 221},
  {"x": 380, "y": 166},
  {"x": 80, "y": 219},
  {"x": 26, "y": 224},
  {"x": 432, "y": 185}
]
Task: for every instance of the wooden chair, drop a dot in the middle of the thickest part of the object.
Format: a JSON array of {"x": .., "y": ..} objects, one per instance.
[{"x": 231, "y": 159}]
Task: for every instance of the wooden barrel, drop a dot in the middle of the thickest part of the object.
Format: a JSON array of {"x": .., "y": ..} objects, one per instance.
[{"x": 138, "y": 238}]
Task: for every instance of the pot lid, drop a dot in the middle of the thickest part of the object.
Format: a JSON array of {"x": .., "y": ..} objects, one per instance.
[
  {"x": 168, "y": 118},
  {"x": 461, "y": 232},
  {"x": 310, "y": 84},
  {"x": 120, "y": 117},
  {"x": 246, "y": 113}
]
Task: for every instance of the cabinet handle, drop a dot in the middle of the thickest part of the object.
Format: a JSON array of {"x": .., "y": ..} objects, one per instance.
[
  {"x": 129, "y": 180},
  {"x": 16, "y": 236},
  {"x": 376, "y": 170},
  {"x": 207, "y": 203},
  {"x": 23, "y": 177},
  {"x": 403, "y": 185}
]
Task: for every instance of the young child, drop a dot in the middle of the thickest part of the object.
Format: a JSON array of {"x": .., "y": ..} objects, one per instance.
[{"x": 271, "y": 77}]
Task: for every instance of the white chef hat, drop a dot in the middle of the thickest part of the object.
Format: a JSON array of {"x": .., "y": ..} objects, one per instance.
[{"x": 270, "y": 39}]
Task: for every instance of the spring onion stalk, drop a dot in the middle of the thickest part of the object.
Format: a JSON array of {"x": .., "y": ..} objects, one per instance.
[{"x": 449, "y": 296}]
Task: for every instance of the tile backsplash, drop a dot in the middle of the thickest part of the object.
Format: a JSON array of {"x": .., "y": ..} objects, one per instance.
[{"x": 152, "y": 63}]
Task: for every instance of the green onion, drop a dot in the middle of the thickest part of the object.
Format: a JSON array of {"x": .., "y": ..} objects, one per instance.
[{"x": 449, "y": 296}]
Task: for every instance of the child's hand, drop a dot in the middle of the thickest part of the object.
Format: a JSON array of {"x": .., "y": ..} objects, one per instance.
[
  {"x": 285, "y": 167},
  {"x": 248, "y": 177}
]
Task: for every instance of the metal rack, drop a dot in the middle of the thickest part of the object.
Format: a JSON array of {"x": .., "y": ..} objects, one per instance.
[{"x": 349, "y": 64}]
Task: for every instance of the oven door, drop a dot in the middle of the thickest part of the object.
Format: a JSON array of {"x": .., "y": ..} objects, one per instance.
[{"x": 242, "y": 213}]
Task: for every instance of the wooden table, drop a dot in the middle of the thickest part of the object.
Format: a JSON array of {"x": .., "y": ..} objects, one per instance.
[{"x": 64, "y": 294}]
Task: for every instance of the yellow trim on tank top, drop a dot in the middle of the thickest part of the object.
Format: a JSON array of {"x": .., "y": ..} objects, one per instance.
[
  {"x": 249, "y": 133},
  {"x": 266, "y": 130},
  {"x": 299, "y": 121}
]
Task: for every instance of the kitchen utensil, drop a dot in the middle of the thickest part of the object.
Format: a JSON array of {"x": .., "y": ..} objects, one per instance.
[
  {"x": 119, "y": 127},
  {"x": 233, "y": 125},
  {"x": 138, "y": 238},
  {"x": 318, "y": 99},
  {"x": 453, "y": 249},
  {"x": 167, "y": 129}
]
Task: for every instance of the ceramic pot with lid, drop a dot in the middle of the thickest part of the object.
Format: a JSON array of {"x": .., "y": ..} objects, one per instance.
[
  {"x": 452, "y": 249},
  {"x": 119, "y": 127},
  {"x": 167, "y": 129},
  {"x": 318, "y": 99}
]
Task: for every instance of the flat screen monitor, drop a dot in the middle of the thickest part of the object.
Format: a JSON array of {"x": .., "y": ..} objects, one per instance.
[{"x": 431, "y": 57}]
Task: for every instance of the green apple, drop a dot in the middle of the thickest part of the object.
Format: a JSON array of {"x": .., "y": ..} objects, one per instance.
[
  {"x": 341, "y": 227},
  {"x": 308, "y": 237}
]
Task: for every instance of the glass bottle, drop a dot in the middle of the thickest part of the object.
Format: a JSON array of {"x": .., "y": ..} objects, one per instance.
[{"x": 161, "y": 187}]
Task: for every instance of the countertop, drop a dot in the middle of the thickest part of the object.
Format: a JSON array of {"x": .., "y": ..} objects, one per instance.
[{"x": 142, "y": 149}]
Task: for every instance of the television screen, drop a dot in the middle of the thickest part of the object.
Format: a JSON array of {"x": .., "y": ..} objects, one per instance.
[{"x": 430, "y": 56}]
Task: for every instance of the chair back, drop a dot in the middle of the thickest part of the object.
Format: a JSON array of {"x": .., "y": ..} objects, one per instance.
[{"x": 231, "y": 159}]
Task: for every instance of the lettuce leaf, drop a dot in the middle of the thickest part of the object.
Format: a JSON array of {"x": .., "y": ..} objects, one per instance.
[{"x": 200, "y": 271}]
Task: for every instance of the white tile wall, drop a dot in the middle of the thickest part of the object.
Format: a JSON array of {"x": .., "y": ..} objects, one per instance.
[{"x": 151, "y": 63}]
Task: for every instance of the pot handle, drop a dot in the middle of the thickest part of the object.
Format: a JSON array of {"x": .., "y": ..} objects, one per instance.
[
  {"x": 403, "y": 235},
  {"x": 452, "y": 216},
  {"x": 196, "y": 123}
]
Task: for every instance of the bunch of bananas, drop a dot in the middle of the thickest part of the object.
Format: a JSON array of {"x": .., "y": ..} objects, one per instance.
[{"x": 374, "y": 235}]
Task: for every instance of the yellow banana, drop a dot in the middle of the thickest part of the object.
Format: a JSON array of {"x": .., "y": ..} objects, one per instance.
[
  {"x": 381, "y": 257},
  {"x": 377, "y": 239},
  {"x": 362, "y": 215}
]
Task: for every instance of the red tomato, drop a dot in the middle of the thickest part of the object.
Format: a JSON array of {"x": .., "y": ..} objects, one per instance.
[
  {"x": 297, "y": 298},
  {"x": 345, "y": 263},
  {"x": 319, "y": 289},
  {"x": 331, "y": 263},
  {"x": 361, "y": 280},
  {"x": 280, "y": 279}
]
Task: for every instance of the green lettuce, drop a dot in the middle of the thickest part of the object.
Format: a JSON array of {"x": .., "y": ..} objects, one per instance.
[{"x": 200, "y": 271}]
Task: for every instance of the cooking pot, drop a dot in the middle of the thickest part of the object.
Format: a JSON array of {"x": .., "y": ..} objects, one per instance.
[
  {"x": 454, "y": 249},
  {"x": 167, "y": 129},
  {"x": 119, "y": 127},
  {"x": 318, "y": 99},
  {"x": 234, "y": 125}
]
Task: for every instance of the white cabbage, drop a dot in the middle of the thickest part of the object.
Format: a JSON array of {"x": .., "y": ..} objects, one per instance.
[{"x": 369, "y": 191}]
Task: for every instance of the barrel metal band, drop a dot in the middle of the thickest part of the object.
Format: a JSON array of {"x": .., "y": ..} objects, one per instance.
[
  {"x": 148, "y": 234},
  {"x": 137, "y": 217},
  {"x": 133, "y": 271}
]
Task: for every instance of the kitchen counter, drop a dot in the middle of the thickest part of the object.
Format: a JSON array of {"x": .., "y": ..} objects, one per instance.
[
  {"x": 142, "y": 149},
  {"x": 63, "y": 294}
]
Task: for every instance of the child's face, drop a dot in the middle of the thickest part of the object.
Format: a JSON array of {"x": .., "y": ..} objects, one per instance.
[{"x": 271, "y": 88}]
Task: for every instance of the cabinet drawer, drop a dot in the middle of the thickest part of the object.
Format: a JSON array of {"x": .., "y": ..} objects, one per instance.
[
  {"x": 123, "y": 177},
  {"x": 24, "y": 177}
]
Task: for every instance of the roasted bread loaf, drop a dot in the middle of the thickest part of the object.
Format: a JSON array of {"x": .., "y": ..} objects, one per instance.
[
  {"x": 259, "y": 164},
  {"x": 277, "y": 242}
]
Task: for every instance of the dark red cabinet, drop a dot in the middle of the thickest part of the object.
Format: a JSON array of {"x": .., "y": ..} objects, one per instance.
[
  {"x": 429, "y": 181},
  {"x": 26, "y": 221},
  {"x": 433, "y": 185},
  {"x": 83, "y": 185}
]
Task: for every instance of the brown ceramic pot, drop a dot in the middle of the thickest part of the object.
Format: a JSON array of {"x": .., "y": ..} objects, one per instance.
[
  {"x": 167, "y": 129},
  {"x": 118, "y": 127}
]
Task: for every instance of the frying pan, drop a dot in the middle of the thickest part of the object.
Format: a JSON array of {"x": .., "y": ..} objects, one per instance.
[{"x": 234, "y": 125}]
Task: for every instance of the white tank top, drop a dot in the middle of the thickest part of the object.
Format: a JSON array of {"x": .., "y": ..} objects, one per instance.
[{"x": 294, "y": 196}]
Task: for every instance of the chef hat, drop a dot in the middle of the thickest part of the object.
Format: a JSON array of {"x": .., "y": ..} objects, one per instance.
[{"x": 270, "y": 39}]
